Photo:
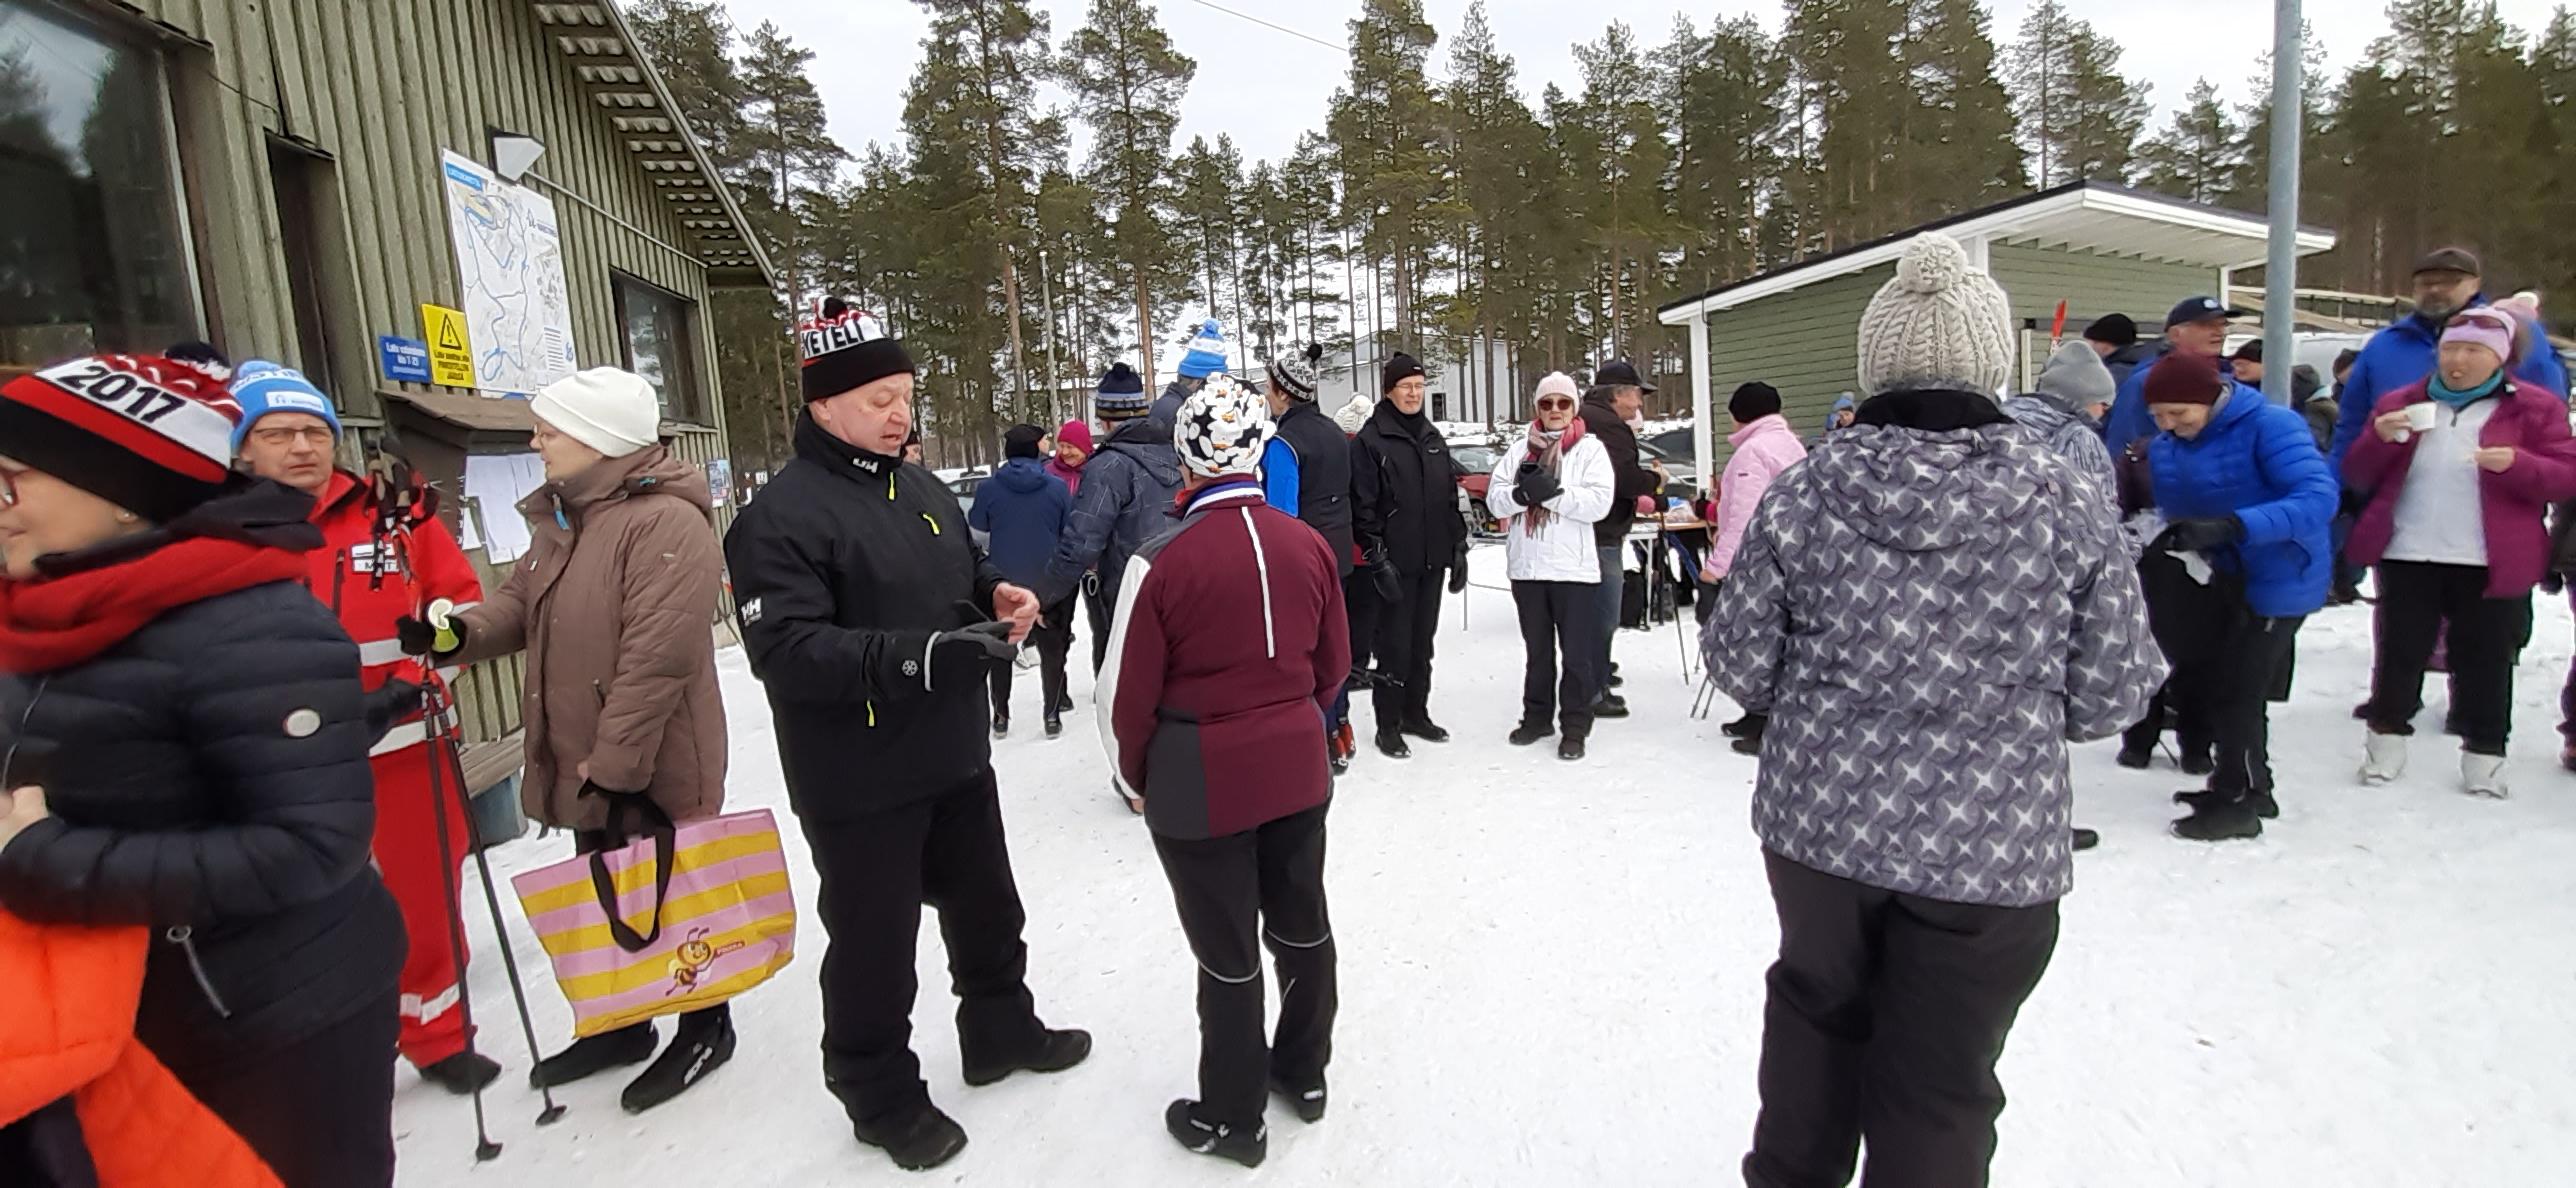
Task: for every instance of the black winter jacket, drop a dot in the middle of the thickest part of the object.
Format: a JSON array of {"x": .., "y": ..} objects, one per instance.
[
  {"x": 1323, "y": 476},
  {"x": 208, "y": 777},
  {"x": 1127, "y": 498},
  {"x": 1630, "y": 479},
  {"x": 843, "y": 570},
  {"x": 1404, "y": 493}
]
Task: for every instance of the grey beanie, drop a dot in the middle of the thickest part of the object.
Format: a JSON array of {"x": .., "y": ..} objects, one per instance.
[
  {"x": 2076, "y": 375},
  {"x": 1940, "y": 323}
]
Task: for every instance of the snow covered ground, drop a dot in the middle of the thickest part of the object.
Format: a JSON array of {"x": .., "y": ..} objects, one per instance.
[{"x": 1551, "y": 973}]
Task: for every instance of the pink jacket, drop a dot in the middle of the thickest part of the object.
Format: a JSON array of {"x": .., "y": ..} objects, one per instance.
[
  {"x": 2513, "y": 505},
  {"x": 1762, "y": 450}
]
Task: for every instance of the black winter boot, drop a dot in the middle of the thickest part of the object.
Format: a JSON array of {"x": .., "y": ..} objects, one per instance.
[
  {"x": 917, "y": 1139},
  {"x": 2262, "y": 802},
  {"x": 1391, "y": 744},
  {"x": 631, "y": 1044},
  {"x": 1426, "y": 730},
  {"x": 1569, "y": 748},
  {"x": 2137, "y": 758},
  {"x": 1056, "y": 1051},
  {"x": 2198, "y": 763},
  {"x": 1001, "y": 724},
  {"x": 1744, "y": 727},
  {"x": 1530, "y": 732},
  {"x": 2086, "y": 839},
  {"x": 2220, "y": 820},
  {"x": 462, "y": 1073},
  {"x": 703, "y": 1044},
  {"x": 1054, "y": 724},
  {"x": 1309, "y": 1103},
  {"x": 1246, "y": 1147}
]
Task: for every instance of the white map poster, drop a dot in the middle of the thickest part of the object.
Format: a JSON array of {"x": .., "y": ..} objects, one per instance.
[{"x": 509, "y": 253}]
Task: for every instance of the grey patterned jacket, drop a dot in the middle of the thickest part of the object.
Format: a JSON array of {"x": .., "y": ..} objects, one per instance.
[{"x": 1929, "y": 617}]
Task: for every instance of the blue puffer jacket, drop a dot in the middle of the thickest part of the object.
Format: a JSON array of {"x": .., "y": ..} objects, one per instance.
[
  {"x": 1127, "y": 499},
  {"x": 2256, "y": 461},
  {"x": 1025, "y": 510},
  {"x": 2401, "y": 356}
]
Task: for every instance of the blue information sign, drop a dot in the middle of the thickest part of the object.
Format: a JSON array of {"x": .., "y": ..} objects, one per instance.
[{"x": 406, "y": 360}]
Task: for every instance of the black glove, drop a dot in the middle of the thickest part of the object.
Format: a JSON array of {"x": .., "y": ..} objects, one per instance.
[
  {"x": 1458, "y": 570},
  {"x": 2199, "y": 534},
  {"x": 964, "y": 654},
  {"x": 387, "y": 703},
  {"x": 1382, "y": 575},
  {"x": 420, "y": 639},
  {"x": 1532, "y": 485}
]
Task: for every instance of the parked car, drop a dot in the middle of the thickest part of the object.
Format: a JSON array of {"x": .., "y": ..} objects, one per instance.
[{"x": 1475, "y": 464}]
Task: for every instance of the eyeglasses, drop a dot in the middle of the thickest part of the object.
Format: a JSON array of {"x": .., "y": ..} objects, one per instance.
[
  {"x": 1554, "y": 402},
  {"x": 9, "y": 485},
  {"x": 319, "y": 435}
]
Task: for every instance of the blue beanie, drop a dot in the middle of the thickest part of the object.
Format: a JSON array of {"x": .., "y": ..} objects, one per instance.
[
  {"x": 1207, "y": 352},
  {"x": 262, "y": 387}
]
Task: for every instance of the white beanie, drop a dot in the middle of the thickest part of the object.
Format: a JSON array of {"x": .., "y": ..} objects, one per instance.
[
  {"x": 610, "y": 410},
  {"x": 1941, "y": 323},
  {"x": 1354, "y": 414}
]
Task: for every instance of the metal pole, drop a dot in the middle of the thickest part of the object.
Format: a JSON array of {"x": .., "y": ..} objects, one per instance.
[{"x": 2281, "y": 269}]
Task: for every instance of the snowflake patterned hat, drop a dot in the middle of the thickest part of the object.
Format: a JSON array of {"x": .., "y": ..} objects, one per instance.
[
  {"x": 1941, "y": 322},
  {"x": 1221, "y": 429},
  {"x": 844, "y": 348}
]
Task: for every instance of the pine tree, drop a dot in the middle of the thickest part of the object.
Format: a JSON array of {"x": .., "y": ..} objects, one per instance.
[
  {"x": 1127, "y": 83},
  {"x": 1629, "y": 220},
  {"x": 1384, "y": 124},
  {"x": 1722, "y": 92},
  {"x": 2197, "y": 157},
  {"x": 1001, "y": 49},
  {"x": 1499, "y": 194},
  {"x": 1206, "y": 182},
  {"x": 1855, "y": 103},
  {"x": 1960, "y": 148},
  {"x": 2079, "y": 117}
]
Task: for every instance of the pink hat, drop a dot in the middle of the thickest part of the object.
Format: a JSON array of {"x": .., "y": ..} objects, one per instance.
[
  {"x": 2486, "y": 326},
  {"x": 1077, "y": 432}
]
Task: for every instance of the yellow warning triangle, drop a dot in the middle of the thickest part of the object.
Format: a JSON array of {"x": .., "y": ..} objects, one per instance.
[{"x": 448, "y": 338}]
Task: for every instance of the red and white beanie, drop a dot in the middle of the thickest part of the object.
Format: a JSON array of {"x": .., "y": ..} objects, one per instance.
[{"x": 149, "y": 435}]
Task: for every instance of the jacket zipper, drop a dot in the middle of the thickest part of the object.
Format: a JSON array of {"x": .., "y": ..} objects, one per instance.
[
  {"x": 185, "y": 937},
  {"x": 10, "y": 758}
]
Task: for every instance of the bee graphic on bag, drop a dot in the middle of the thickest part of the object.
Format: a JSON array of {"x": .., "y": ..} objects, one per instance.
[{"x": 691, "y": 960}]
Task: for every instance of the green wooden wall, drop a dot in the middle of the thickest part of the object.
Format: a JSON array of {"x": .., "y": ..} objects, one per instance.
[
  {"x": 2038, "y": 278},
  {"x": 382, "y": 86}
]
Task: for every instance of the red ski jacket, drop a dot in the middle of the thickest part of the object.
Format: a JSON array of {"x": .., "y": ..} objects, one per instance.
[{"x": 370, "y": 582}]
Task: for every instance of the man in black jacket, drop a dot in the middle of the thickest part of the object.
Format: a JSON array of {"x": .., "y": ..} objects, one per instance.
[
  {"x": 1306, "y": 472},
  {"x": 872, "y": 618},
  {"x": 1618, "y": 396},
  {"x": 1404, "y": 514}
]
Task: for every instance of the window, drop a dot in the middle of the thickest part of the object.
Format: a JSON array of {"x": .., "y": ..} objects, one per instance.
[
  {"x": 92, "y": 255},
  {"x": 655, "y": 332}
]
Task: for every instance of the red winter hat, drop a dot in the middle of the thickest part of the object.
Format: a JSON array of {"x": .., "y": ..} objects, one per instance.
[
  {"x": 2184, "y": 378},
  {"x": 149, "y": 435}
]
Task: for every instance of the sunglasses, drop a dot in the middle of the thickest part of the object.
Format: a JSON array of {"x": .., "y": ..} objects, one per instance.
[{"x": 1554, "y": 402}]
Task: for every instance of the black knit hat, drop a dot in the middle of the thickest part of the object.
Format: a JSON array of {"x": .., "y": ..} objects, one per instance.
[
  {"x": 1021, "y": 441},
  {"x": 1399, "y": 368},
  {"x": 1295, "y": 375},
  {"x": 2112, "y": 329},
  {"x": 846, "y": 348},
  {"x": 1753, "y": 401}
]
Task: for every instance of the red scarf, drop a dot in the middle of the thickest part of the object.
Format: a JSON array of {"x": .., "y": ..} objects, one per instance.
[
  {"x": 53, "y": 623},
  {"x": 1548, "y": 450}
]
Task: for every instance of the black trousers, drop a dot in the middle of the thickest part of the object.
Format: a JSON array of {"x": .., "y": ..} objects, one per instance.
[
  {"x": 1236, "y": 893},
  {"x": 877, "y": 871},
  {"x": 319, "y": 1112},
  {"x": 1404, "y": 631},
  {"x": 1359, "y": 603},
  {"x": 1053, "y": 638},
  {"x": 2190, "y": 715},
  {"x": 1559, "y": 617},
  {"x": 1097, "y": 608},
  {"x": 2245, "y": 672},
  {"x": 2417, "y": 601},
  {"x": 2181, "y": 613},
  {"x": 1885, "y": 1018}
]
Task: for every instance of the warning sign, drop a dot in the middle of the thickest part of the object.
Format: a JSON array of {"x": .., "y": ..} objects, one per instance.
[{"x": 451, "y": 360}]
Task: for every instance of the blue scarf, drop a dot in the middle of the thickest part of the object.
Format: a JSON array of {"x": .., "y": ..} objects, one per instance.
[{"x": 2459, "y": 400}]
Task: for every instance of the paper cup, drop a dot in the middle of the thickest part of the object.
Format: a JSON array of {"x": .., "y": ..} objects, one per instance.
[{"x": 2419, "y": 416}]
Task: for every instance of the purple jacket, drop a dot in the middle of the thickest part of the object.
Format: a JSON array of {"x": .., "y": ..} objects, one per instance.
[{"x": 2513, "y": 505}]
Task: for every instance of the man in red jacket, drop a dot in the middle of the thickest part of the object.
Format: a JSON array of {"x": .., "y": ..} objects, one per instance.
[
  {"x": 371, "y": 572},
  {"x": 1229, "y": 642}
]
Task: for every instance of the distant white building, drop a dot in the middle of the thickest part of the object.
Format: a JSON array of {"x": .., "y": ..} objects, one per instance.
[{"x": 1470, "y": 380}]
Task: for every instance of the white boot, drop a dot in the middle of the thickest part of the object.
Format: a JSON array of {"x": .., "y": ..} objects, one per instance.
[
  {"x": 2482, "y": 775},
  {"x": 2383, "y": 758}
]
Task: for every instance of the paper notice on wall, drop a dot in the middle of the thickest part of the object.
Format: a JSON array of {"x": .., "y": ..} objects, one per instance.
[
  {"x": 509, "y": 259},
  {"x": 494, "y": 485}
]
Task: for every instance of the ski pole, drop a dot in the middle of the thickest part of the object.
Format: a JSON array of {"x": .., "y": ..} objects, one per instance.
[
  {"x": 500, "y": 930},
  {"x": 485, "y": 1149}
]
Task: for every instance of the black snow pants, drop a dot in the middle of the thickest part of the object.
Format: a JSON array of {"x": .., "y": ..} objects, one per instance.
[
  {"x": 1236, "y": 893},
  {"x": 2417, "y": 601},
  {"x": 1404, "y": 631},
  {"x": 947, "y": 851},
  {"x": 1053, "y": 638},
  {"x": 1886, "y": 1016},
  {"x": 1559, "y": 618},
  {"x": 320, "y": 1111},
  {"x": 2248, "y": 669}
]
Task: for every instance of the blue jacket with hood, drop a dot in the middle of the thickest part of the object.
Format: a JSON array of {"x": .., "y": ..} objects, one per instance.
[
  {"x": 1025, "y": 509},
  {"x": 2256, "y": 461},
  {"x": 2401, "y": 355}
]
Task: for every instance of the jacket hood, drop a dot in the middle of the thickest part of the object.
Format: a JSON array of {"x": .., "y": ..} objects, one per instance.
[
  {"x": 648, "y": 471},
  {"x": 1772, "y": 423},
  {"x": 2044, "y": 412},
  {"x": 1918, "y": 491},
  {"x": 1148, "y": 440},
  {"x": 1023, "y": 475}
]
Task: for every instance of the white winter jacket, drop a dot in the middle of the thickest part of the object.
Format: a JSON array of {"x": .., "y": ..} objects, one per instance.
[{"x": 1563, "y": 550}]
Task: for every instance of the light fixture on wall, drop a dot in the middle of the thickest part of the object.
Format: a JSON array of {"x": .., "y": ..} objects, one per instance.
[{"x": 513, "y": 154}]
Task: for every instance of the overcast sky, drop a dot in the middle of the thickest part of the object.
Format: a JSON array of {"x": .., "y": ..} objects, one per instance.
[{"x": 1265, "y": 87}]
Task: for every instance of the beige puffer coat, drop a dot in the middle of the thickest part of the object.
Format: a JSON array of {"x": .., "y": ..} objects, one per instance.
[{"x": 615, "y": 605}]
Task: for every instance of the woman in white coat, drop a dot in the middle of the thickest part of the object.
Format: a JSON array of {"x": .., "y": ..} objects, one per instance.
[{"x": 1549, "y": 490}]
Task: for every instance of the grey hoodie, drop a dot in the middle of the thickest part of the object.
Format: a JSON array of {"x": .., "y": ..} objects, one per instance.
[{"x": 1920, "y": 744}]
